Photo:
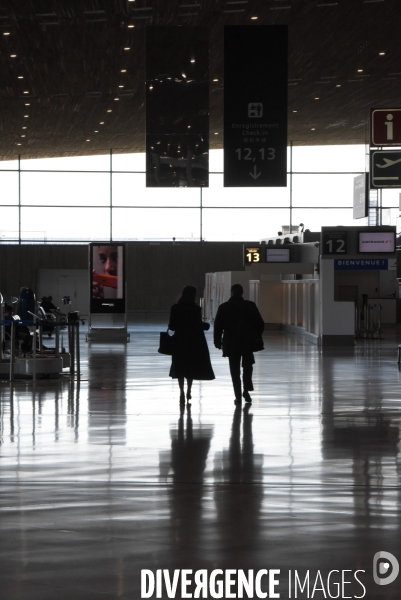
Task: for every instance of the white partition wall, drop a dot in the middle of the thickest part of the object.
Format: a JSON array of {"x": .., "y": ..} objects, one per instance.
[
  {"x": 218, "y": 289},
  {"x": 337, "y": 319}
]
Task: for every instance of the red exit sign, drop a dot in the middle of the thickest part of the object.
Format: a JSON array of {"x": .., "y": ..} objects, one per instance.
[{"x": 385, "y": 127}]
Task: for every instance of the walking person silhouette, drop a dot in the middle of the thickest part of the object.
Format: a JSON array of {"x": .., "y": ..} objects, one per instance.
[
  {"x": 238, "y": 329},
  {"x": 190, "y": 359}
]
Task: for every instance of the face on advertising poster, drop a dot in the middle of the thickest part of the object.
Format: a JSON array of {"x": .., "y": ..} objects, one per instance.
[{"x": 107, "y": 271}]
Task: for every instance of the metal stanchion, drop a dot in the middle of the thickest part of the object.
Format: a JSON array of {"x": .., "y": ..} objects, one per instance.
[
  {"x": 72, "y": 348},
  {"x": 12, "y": 350},
  {"x": 380, "y": 321},
  {"x": 78, "y": 354},
  {"x": 57, "y": 341},
  {"x": 34, "y": 348}
]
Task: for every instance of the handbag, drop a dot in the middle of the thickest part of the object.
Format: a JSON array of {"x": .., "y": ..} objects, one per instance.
[
  {"x": 257, "y": 343},
  {"x": 166, "y": 343}
]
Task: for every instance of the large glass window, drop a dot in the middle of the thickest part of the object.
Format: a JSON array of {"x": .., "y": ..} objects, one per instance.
[
  {"x": 315, "y": 218},
  {"x": 63, "y": 224},
  {"x": 65, "y": 189},
  {"x": 9, "y": 225},
  {"x": 129, "y": 189},
  {"x": 242, "y": 224},
  {"x": 217, "y": 195},
  {"x": 323, "y": 190},
  {"x": 78, "y": 199},
  {"x": 156, "y": 224},
  {"x": 328, "y": 159},
  {"x": 8, "y": 187}
]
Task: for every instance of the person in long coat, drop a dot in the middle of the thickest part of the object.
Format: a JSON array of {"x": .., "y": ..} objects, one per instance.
[
  {"x": 238, "y": 329},
  {"x": 190, "y": 359}
]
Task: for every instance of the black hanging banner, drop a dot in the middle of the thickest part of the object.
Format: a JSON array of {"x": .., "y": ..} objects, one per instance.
[
  {"x": 177, "y": 106},
  {"x": 255, "y": 106}
]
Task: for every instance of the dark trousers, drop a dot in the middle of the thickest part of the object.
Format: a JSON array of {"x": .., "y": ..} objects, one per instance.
[{"x": 247, "y": 369}]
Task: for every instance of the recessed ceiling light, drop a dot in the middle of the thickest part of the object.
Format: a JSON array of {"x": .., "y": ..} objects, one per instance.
[
  {"x": 294, "y": 111},
  {"x": 216, "y": 133},
  {"x": 189, "y": 127},
  {"x": 192, "y": 60},
  {"x": 101, "y": 123},
  {"x": 127, "y": 48},
  {"x": 26, "y": 116},
  {"x": 116, "y": 98},
  {"x": 131, "y": 26},
  {"x": 151, "y": 87},
  {"x": 360, "y": 70},
  {"x": 27, "y": 104},
  {"x": 123, "y": 71},
  {"x": 6, "y": 33},
  {"x": 18, "y": 144},
  {"x": 20, "y": 77},
  {"x": 13, "y": 56},
  {"x": 382, "y": 53},
  {"x": 338, "y": 85},
  {"x": 317, "y": 98},
  {"x": 24, "y": 128},
  {"x": 96, "y": 131},
  {"x": 312, "y": 129},
  {"x": 215, "y": 79},
  {"x": 88, "y": 140},
  {"x": 26, "y": 92},
  {"x": 23, "y": 135},
  {"x": 253, "y": 18},
  {"x": 120, "y": 86},
  {"x": 183, "y": 74},
  {"x": 109, "y": 110}
]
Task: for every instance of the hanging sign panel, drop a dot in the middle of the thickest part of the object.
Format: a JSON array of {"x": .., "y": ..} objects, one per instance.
[
  {"x": 385, "y": 169},
  {"x": 361, "y": 196},
  {"x": 255, "y": 106},
  {"x": 385, "y": 127},
  {"x": 177, "y": 106}
]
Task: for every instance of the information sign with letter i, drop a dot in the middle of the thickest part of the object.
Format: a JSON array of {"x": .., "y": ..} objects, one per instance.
[{"x": 385, "y": 127}]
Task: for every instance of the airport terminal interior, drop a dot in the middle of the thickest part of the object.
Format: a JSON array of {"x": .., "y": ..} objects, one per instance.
[{"x": 111, "y": 487}]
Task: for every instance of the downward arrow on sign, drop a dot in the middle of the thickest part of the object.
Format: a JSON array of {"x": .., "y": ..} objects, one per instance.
[{"x": 255, "y": 175}]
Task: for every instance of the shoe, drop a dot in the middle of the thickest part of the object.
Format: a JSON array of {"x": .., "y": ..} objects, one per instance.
[
  {"x": 182, "y": 398},
  {"x": 238, "y": 400},
  {"x": 247, "y": 397},
  {"x": 189, "y": 396}
]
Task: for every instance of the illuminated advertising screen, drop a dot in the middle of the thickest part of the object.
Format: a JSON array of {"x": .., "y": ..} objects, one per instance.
[
  {"x": 107, "y": 277},
  {"x": 277, "y": 255},
  {"x": 376, "y": 241}
]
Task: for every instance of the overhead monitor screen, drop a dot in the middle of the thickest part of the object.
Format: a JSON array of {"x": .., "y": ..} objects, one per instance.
[
  {"x": 107, "y": 277},
  {"x": 376, "y": 241},
  {"x": 277, "y": 255}
]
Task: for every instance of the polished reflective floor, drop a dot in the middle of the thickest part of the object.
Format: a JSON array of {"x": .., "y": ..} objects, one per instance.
[{"x": 103, "y": 478}]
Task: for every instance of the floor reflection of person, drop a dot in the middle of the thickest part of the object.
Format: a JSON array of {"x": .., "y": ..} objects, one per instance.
[
  {"x": 190, "y": 359},
  {"x": 183, "y": 466},
  {"x": 238, "y": 477},
  {"x": 107, "y": 259}
]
